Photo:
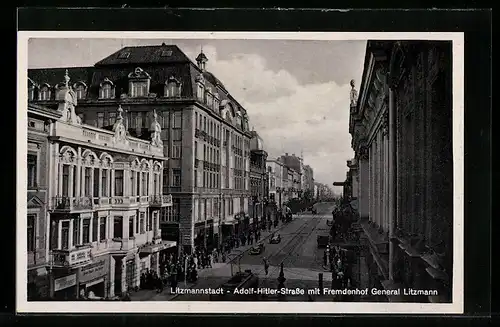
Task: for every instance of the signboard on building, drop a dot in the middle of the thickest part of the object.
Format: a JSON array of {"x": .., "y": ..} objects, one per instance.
[
  {"x": 64, "y": 282},
  {"x": 99, "y": 267},
  {"x": 79, "y": 256}
]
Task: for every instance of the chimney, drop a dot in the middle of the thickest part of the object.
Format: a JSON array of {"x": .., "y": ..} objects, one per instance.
[{"x": 286, "y": 154}]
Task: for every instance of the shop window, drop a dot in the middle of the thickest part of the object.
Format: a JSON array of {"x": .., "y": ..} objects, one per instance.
[
  {"x": 32, "y": 168},
  {"x": 86, "y": 231},
  {"x": 102, "y": 229},
  {"x": 118, "y": 227},
  {"x": 118, "y": 182},
  {"x": 31, "y": 232}
]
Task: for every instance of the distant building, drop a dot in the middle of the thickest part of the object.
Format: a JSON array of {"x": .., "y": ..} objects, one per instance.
[
  {"x": 258, "y": 179},
  {"x": 276, "y": 182},
  {"x": 295, "y": 164}
]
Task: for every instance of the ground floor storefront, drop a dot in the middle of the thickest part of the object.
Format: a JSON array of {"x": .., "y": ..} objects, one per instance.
[{"x": 38, "y": 284}]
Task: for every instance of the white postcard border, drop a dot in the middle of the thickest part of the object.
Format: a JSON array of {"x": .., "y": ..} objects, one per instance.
[{"x": 23, "y": 306}]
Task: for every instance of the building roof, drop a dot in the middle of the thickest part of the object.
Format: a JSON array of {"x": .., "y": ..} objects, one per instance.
[
  {"x": 139, "y": 55},
  {"x": 54, "y": 76}
]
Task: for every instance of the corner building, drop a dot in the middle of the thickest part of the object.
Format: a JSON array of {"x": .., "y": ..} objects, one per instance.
[{"x": 203, "y": 128}]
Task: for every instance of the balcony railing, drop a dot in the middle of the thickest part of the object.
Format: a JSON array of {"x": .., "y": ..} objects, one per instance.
[
  {"x": 124, "y": 200},
  {"x": 160, "y": 200},
  {"x": 72, "y": 257},
  {"x": 64, "y": 203}
]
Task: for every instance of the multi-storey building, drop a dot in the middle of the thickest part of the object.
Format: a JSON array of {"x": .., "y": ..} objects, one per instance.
[
  {"x": 204, "y": 131},
  {"x": 258, "y": 178},
  {"x": 39, "y": 123},
  {"x": 276, "y": 188},
  {"x": 401, "y": 133},
  {"x": 308, "y": 181},
  {"x": 294, "y": 164},
  {"x": 105, "y": 194}
]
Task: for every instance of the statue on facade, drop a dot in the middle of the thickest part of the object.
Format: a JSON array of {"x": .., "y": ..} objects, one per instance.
[
  {"x": 156, "y": 128},
  {"x": 119, "y": 128},
  {"x": 354, "y": 94},
  {"x": 67, "y": 107}
]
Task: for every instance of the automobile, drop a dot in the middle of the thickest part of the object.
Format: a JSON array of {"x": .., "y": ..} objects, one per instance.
[
  {"x": 314, "y": 211},
  {"x": 323, "y": 240},
  {"x": 275, "y": 239},
  {"x": 257, "y": 249}
]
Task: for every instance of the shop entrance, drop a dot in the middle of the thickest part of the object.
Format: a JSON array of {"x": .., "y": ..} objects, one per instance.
[
  {"x": 66, "y": 294},
  {"x": 131, "y": 275},
  {"x": 95, "y": 289}
]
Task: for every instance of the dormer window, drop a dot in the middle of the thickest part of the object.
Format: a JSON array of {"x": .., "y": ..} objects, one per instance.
[
  {"x": 44, "y": 93},
  {"x": 106, "y": 90},
  {"x": 123, "y": 55},
  {"x": 172, "y": 87},
  {"x": 31, "y": 89},
  {"x": 166, "y": 53},
  {"x": 80, "y": 90},
  {"x": 209, "y": 100},
  {"x": 200, "y": 92},
  {"x": 139, "y": 82},
  {"x": 139, "y": 89}
]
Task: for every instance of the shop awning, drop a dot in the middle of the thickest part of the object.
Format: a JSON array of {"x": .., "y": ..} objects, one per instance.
[{"x": 153, "y": 248}]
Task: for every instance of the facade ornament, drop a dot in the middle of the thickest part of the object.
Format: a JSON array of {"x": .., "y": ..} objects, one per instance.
[
  {"x": 156, "y": 128},
  {"x": 353, "y": 95},
  {"x": 67, "y": 107},
  {"x": 119, "y": 128},
  {"x": 385, "y": 123},
  {"x": 363, "y": 153}
]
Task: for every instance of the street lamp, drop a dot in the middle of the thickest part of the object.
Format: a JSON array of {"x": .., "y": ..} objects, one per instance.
[{"x": 281, "y": 277}]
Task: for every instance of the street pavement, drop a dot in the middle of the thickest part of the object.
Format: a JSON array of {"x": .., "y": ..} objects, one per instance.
[{"x": 302, "y": 262}]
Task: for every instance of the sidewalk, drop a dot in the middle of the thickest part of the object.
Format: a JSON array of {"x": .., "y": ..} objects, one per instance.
[{"x": 205, "y": 276}]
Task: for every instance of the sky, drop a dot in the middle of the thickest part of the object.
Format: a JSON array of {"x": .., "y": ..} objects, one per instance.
[{"x": 296, "y": 92}]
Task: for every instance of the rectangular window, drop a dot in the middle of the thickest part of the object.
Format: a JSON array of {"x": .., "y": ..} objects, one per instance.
[
  {"x": 132, "y": 121},
  {"x": 195, "y": 178},
  {"x": 76, "y": 231},
  {"x": 88, "y": 184},
  {"x": 95, "y": 227},
  {"x": 102, "y": 229},
  {"x": 137, "y": 183},
  {"x": 139, "y": 89},
  {"x": 150, "y": 222},
  {"x": 65, "y": 235},
  {"x": 86, "y": 231},
  {"x": 31, "y": 233},
  {"x": 104, "y": 183},
  {"x": 176, "y": 177},
  {"x": 176, "y": 151},
  {"x": 100, "y": 119},
  {"x": 118, "y": 182},
  {"x": 117, "y": 227},
  {"x": 205, "y": 124},
  {"x": 112, "y": 118},
  {"x": 142, "y": 222},
  {"x": 96, "y": 183},
  {"x": 131, "y": 226},
  {"x": 196, "y": 120},
  {"x": 137, "y": 227},
  {"x": 177, "y": 119},
  {"x": 32, "y": 168},
  {"x": 176, "y": 134}
]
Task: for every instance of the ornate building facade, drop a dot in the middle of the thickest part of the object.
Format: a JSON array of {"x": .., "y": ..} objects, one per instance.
[
  {"x": 258, "y": 179},
  {"x": 104, "y": 196},
  {"x": 276, "y": 182},
  {"x": 403, "y": 169},
  {"x": 203, "y": 128}
]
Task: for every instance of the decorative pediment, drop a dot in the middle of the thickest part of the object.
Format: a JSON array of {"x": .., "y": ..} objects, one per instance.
[
  {"x": 200, "y": 78},
  {"x": 139, "y": 73},
  {"x": 34, "y": 201},
  {"x": 172, "y": 79},
  {"x": 106, "y": 81}
]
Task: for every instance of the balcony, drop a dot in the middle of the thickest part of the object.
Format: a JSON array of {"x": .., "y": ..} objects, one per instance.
[
  {"x": 196, "y": 133},
  {"x": 160, "y": 200},
  {"x": 124, "y": 201},
  {"x": 71, "y": 204},
  {"x": 73, "y": 257}
]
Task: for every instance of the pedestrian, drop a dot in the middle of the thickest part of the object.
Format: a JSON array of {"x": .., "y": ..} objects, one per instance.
[
  {"x": 266, "y": 265},
  {"x": 325, "y": 259}
]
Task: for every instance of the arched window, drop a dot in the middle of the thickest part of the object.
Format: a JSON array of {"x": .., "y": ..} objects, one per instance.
[
  {"x": 44, "y": 93},
  {"x": 106, "y": 90},
  {"x": 80, "y": 90},
  {"x": 172, "y": 87}
]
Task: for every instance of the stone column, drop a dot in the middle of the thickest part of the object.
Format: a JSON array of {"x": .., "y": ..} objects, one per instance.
[
  {"x": 112, "y": 183},
  {"x": 380, "y": 173},
  {"x": 108, "y": 222},
  {"x": 91, "y": 232},
  {"x": 71, "y": 180},
  {"x": 82, "y": 181},
  {"x": 70, "y": 238},
  {"x": 60, "y": 180},
  {"x": 78, "y": 178},
  {"x": 364, "y": 185},
  {"x": 125, "y": 222},
  {"x": 99, "y": 195},
  {"x": 80, "y": 221},
  {"x": 59, "y": 234},
  {"x": 392, "y": 181},
  {"x": 112, "y": 264},
  {"x": 137, "y": 270}
]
